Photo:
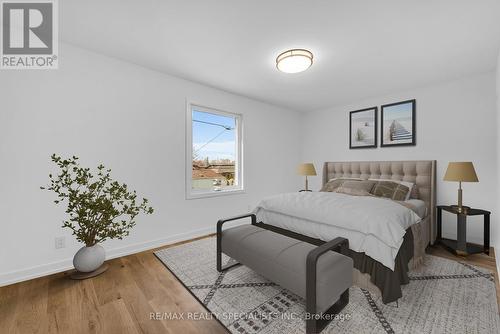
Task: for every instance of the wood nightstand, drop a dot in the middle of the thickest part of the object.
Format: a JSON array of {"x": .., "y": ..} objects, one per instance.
[{"x": 460, "y": 246}]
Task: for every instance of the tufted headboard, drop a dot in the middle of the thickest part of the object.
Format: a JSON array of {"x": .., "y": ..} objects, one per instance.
[{"x": 422, "y": 173}]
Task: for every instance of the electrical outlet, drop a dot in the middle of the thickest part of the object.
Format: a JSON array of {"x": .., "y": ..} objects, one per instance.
[{"x": 60, "y": 242}]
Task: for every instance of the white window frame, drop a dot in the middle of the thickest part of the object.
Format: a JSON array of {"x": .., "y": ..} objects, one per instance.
[{"x": 193, "y": 194}]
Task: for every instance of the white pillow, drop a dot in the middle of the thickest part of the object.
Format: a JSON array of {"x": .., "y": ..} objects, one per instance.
[{"x": 404, "y": 183}]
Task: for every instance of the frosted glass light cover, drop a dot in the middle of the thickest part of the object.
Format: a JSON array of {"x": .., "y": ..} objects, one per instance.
[{"x": 294, "y": 61}]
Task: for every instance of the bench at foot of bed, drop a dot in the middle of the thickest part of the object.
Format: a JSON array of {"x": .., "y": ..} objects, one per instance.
[{"x": 319, "y": 274}]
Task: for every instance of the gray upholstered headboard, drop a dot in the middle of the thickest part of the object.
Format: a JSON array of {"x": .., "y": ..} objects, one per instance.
[{"x": 421, "y": 172}]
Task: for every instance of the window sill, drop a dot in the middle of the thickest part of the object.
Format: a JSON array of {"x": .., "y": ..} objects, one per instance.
[{"x": 214, "y": 193}]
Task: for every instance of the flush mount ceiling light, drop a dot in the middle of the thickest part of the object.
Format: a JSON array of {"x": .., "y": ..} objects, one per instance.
[{"x": 294, "y": 61}]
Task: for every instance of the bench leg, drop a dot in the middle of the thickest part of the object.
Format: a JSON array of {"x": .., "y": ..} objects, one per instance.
[
  {"x": 219, "y": 256},
  {"x": 316, "y": 322},
  {"x": 220, "y": 268},
  {"x": 228, "y": 267},
  {"x": 314, "y": 326},
  {"x": 219, "y": 253}
]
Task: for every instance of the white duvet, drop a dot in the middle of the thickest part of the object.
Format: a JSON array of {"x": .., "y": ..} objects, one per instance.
[{"x": 372, "y": 225}]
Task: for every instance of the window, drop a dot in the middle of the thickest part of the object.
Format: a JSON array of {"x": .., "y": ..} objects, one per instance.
[{"x": 214, "y": 152}]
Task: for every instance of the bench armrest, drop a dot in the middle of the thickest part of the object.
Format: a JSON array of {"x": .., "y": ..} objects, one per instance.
[
  {"x": 225, "y": 220},
  {"x": 219, "y": 236},
  {"x": 337, "y": 244}
]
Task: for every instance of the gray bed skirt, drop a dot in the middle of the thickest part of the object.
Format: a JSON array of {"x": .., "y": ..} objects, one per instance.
[{"x": 389, "y": 282}]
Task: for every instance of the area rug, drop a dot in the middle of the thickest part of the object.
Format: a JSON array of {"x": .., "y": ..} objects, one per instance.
[{"x": 443, "y": 296}]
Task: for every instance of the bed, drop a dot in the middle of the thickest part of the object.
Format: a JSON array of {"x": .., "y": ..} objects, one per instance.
[{"x": 381, "y": 270}]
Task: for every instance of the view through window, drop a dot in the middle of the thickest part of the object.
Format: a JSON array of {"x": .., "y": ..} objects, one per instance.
[{"x": 215, "y": 151}]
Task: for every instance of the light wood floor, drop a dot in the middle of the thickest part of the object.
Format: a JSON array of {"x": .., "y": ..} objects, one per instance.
[{"x": 120, "y": 300}]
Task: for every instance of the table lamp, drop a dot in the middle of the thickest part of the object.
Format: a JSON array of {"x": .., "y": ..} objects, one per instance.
[
  {"x": 460, "y": 172},
  {"x": 306, "y": 169}
]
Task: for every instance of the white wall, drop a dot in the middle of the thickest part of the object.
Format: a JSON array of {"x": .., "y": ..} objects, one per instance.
[
  {"x": 133, "y": 120},
  {"x": 497, "y": 231},
  {"x": 456, "y": 121}
]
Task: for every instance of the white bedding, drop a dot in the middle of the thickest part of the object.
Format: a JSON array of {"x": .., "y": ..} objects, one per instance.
[
  {"x": 420, "y": 207},
  {"x": 372, "y": 225}
]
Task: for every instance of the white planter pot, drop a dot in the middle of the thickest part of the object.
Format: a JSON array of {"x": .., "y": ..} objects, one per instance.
[{"x": 88, "y": 259}]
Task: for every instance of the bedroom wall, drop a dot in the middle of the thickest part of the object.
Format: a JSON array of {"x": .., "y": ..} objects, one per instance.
[
  {"x": 133, "y": 120},
  {"x": 497, "y": 231},
  {"x": 456, "y": 121}
]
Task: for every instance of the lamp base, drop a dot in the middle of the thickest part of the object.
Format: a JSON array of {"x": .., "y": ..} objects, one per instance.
[
  {"x": 462, "y": 209},
  {"x": 304, "y": 190}
]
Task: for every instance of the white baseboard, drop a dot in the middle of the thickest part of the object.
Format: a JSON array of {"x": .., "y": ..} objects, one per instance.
[{"x": 64, "y": 265}]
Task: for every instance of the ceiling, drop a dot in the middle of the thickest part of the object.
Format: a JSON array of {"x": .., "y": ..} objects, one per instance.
[{"x": 361, "y": 48}]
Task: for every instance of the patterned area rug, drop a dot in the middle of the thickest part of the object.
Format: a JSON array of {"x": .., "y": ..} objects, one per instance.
[{"x": 443, "y": 296}]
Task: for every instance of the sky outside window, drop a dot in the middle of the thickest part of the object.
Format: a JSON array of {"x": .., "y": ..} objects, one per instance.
[{"x": 214, "y": 136}]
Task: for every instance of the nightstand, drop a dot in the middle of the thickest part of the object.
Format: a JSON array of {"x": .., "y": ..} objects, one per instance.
[{"x": 460, "y": 246}]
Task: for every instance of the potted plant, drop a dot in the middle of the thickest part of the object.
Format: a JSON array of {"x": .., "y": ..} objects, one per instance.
[{"x": 98, "y": 209}]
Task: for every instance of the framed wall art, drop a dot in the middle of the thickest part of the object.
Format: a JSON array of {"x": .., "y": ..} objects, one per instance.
[
  {"x": 398, "y": 124},
  {"x": 363, "y": 128}
]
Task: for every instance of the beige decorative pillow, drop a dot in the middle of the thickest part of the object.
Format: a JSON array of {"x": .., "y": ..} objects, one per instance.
[
  {"x": 352, "y": 192},
  {"x": 410, "y": 185},
  {"x": 335, "y": 183},
  {"x": 347, "y": 178},
  {"x": 365, "y": 186},
  {"x": 389, "y": 189},
  {"x": 332, "y": 185}
]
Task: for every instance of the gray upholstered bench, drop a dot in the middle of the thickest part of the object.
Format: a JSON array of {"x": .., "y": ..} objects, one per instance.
[{"x": 317, "y": 274}]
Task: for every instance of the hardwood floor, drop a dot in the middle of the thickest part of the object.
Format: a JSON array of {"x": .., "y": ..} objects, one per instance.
[
  {"x": 121, "y": 300},
  {"x": 118, "y": 301}
]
